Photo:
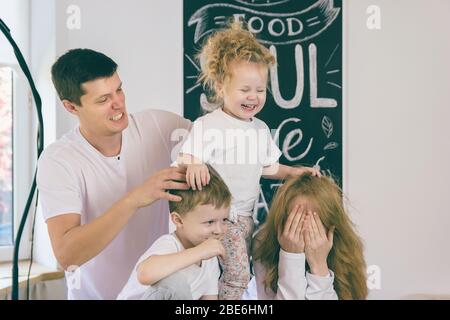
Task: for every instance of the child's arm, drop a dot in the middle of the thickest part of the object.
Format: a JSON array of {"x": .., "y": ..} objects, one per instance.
[
  {"x": 279, "y": 171},
  {"x": 158, "y": 267},
  {"x": 194, "y": 154},
  {"x": 197, "y": 173}
]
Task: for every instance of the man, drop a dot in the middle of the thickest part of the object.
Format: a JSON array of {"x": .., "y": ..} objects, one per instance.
[{"x": 103, "y": 186}]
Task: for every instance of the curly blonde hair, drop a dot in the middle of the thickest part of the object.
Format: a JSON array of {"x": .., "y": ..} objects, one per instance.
[{"x": 234, "y": 43}]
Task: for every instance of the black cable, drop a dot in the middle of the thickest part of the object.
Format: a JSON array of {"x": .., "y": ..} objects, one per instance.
[
  {"x": 32, "y": 246},
  {"x": 40, "y": 146}
]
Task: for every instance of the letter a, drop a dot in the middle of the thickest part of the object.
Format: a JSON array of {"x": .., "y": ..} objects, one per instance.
[
  {"x": 374, "y": 20},
  {"x": 74, "y": 18}
]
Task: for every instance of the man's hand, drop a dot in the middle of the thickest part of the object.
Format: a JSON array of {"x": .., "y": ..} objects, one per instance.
[{"x": 155, "y": 188}]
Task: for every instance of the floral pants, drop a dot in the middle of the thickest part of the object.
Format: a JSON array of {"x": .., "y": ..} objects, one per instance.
[{"x": 236, "y": 265}]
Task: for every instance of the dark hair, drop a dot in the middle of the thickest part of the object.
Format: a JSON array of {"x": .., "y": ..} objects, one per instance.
[
  {"x": 76, "y": 67},
  {"x": 215, "y": 193}
]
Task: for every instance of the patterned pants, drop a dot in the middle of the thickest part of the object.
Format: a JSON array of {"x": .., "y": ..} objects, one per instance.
[{"x": 236, "y": 265}]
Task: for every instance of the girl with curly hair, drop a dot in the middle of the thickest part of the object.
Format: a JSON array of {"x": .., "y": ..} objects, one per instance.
[{"x": 234, "y": 142}]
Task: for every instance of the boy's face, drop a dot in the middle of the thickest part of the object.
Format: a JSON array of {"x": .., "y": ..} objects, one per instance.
[
  {"x": 103, "y": 111},
  {"x": 200, "y": 224},
  {"x": 244, "y": 95}
]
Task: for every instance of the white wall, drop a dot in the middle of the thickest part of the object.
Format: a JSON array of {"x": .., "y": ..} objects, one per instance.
[
  {"x": 144, "y": 37},
  {"x": 396, "y": 106},
  {"x": 397, "y": 149}
]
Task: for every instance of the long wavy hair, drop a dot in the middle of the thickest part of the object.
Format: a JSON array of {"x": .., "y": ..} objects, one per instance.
[{"x": 346, "y": 256}]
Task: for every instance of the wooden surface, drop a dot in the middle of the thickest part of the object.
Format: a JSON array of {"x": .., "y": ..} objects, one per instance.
[{"x": 38, "y": 273}]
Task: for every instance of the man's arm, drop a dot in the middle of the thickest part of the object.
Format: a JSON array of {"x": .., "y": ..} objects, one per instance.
[{"x": 75, "y": 244}]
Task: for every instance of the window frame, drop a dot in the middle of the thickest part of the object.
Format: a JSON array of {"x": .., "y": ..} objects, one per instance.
[{"x": 24, "y": 160}]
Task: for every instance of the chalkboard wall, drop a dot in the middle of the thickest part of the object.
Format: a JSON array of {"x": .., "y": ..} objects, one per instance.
[{"x": 304, "y": 102}]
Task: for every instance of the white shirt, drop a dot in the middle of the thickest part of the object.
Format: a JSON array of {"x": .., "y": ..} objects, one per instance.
[
  {"x": 293, "y": 282},
  {"x": 238, "y": 150},
  {"x": 74, "y": 177},
  {"x": 203, "y": 280}
]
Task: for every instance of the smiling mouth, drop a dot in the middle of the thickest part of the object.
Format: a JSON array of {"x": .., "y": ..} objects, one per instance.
[
  {"x": 117, "y": 117},
  {"x": 248, "y": 107}
]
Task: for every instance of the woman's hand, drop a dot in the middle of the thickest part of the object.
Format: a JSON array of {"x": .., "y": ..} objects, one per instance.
[
  {"x": 291, "y": 237},
  {"x": 317, "y": 244}
]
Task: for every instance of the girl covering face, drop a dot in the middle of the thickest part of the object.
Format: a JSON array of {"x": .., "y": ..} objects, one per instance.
[{"x": 307, "y": 219}]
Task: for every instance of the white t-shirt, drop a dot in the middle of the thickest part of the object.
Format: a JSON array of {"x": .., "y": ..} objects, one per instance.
[
  {"x": 238, "y": 150},
  {"x": 74, "y": 177},
  {"x": 203, "y": 280},
  {"x": 293, "y": 282}
]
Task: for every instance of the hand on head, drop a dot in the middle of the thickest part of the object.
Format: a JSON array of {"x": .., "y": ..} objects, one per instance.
[
  {"x": 197, "y": 175},
  {"x": 314, "y": 171},
  {"x": 155, "y": 188}
]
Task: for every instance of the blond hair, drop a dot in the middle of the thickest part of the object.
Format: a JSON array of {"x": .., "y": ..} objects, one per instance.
[
  {"x": 346, "y": 256},
  {"x": 234, "y": 43},
  {"x": 215, "y": 193}
]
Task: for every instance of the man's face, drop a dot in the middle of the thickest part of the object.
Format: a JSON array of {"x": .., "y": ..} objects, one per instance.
[
  {"x": 102, "y": 111},
  {"x": 202, "y": 223}
]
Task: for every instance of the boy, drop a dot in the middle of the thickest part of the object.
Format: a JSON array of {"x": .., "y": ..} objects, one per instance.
[{"x": 183, "y": 264}]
